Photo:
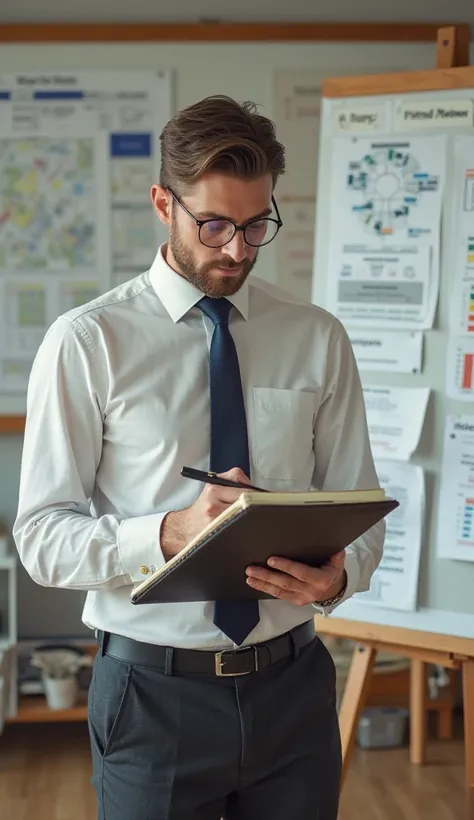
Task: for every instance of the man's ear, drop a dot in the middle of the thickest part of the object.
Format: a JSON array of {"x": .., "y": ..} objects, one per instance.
[{"x": 161, "y": 200}]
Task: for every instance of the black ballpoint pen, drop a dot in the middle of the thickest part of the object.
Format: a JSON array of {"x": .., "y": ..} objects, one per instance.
[{"x": 213, "y": 478}]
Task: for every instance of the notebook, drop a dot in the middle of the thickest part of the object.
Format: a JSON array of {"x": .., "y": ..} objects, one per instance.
[{"x": 306, "y": 527}]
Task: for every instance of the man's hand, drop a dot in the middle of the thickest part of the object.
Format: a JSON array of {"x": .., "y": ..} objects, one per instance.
[
  {"x": 179, "y": 528},
  {"x": 298, "y": 583}
]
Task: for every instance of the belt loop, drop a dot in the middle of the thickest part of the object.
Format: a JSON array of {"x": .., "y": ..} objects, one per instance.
[
  {"x": 296, "y": 647},
  {"x": 100, "y": 636},
  {"x": 169, "y": 660}
]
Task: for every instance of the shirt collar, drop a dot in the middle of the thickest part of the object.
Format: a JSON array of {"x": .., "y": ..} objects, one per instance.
[{"x": 179, "y": 296}]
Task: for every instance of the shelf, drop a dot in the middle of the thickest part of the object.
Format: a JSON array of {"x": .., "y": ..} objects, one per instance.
[
  {"x": 12, "y": 425},
  {"x": 33, "y": 709}
]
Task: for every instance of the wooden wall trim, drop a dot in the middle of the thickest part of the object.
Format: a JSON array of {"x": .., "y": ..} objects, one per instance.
[
  {"x": 220, "y": 32},
  {"x": 400, "y": 83},
  {"x": 12, "y": 425}
]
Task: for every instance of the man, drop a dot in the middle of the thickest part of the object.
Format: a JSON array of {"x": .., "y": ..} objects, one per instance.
[{"x": 194, "y": 364}]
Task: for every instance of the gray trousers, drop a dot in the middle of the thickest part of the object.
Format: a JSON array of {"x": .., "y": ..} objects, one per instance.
[{"x": 169, "y": 747}]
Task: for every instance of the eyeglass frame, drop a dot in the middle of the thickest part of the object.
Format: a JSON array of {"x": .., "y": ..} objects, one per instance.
[{"x": 201, "y": 222}]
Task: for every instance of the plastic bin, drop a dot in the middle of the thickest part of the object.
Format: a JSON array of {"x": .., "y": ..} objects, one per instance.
[{"x": 382, "y": 727}]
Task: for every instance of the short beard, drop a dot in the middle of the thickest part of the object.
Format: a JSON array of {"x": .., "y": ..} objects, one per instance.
[{"x": 199, "y": 275}]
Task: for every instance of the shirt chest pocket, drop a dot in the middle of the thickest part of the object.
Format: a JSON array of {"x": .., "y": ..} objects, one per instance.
[{"x": 283, "y": 435}]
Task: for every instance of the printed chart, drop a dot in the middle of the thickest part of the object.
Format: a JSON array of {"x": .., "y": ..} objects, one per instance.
[
  {"x": 460, "y": 368},
  {"x": 467, "y": 517},
  {"x": 385, "y": 200},
  {"x": 466, "y": 370},
  {"x": 391, "y": 182},
  {"x": 456, "y": 502},
  {"x": 462, "y": 251}
]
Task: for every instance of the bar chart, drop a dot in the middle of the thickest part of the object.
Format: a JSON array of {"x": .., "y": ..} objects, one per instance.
[
  {"x": 467, "y": 520},
  {"x": 467, "y": 371},
  {"x": 460, "y": 368},
  {"x": 468, "y": 318},
  {"x": 456, "y": 501}
]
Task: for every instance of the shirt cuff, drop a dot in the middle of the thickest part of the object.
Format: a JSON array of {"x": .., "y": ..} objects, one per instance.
[
  {"x": 139, "y": 545},
  {"x": 351, "y": 565}
]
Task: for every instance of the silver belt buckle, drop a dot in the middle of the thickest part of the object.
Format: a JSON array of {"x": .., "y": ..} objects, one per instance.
[{"x": 220, "y": 662}]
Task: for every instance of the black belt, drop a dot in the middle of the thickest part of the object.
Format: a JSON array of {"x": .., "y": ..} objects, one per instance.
[{"x": 228, "y": 662}]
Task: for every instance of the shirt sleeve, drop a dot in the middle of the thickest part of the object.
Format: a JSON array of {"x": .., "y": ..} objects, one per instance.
[
  {"x": 344, "y": 457},
  {"x": 59, "y": 541}
]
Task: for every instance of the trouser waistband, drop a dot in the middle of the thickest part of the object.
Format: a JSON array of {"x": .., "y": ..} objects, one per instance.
[{"x": 228, "y": 662}]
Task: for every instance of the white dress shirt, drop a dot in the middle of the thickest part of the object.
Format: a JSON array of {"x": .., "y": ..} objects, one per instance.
[{"x": 118, "y": 402}]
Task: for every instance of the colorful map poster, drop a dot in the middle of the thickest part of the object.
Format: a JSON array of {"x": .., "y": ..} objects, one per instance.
[{"x": 48, "y": 205}]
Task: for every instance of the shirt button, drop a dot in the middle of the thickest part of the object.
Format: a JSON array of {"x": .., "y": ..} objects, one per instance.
[{"x": 144, "y": 570}]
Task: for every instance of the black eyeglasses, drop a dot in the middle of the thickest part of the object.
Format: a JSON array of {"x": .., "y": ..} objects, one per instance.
[{"x": 215, "y": 233}]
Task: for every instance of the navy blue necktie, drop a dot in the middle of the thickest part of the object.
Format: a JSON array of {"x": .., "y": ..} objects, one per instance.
[{"x": 229, "y": 443}]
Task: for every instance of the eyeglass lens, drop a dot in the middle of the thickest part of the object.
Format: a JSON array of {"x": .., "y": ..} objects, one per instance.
[{"x": 218, "y": 232}]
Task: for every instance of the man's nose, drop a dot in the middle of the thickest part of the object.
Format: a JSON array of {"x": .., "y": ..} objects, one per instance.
[{"x": 236, "y": 248}]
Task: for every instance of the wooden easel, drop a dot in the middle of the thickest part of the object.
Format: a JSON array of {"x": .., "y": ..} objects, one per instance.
[
  {"x": 422, "y": 648},
  {"x": 452, "y": 71}
]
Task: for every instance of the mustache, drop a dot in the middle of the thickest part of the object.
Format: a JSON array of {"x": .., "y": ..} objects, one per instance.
[{"x": 225, "y": 264}]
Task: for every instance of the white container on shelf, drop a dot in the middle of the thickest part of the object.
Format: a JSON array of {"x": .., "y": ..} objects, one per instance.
[{"x": 61, "y": 693}]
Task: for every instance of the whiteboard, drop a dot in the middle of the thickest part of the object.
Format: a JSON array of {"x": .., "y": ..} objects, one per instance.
[{"x": 445, "y": 595}]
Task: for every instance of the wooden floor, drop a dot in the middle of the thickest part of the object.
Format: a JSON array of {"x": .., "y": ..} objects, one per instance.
[{"x": 45, "y": 775}]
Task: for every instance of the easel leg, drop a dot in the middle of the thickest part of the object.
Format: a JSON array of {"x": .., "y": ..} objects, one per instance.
[
  {"x": 353, "y": 700},
  {"x": 468, "y": 706},
  {"x": 418, "y": 717}
]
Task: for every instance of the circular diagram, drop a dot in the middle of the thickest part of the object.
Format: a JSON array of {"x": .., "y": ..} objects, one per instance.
[{"x": 391, "y": 182}]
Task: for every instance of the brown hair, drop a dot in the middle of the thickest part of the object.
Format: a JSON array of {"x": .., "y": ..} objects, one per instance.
[{"x": 219, "y": 134}]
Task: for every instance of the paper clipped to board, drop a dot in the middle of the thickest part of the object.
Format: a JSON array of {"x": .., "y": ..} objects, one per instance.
[
  {"x": 395, "y": 582},
  {"x": 455, "y": 538},
  {"x": 384, "y": 230},
  {"x": 395, "y": 417}
]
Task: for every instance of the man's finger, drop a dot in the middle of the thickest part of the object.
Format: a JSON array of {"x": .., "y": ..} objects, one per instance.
[
  {"x": 235, "y": 474},
  {"x": 298, "y": 598},
  {"x": 290, "y": 587},
  {"x": 226, "y": 495},
  {"x": 282, "y": 580},
  {"x": 297, "y": 570},
  {"x": 302, "y": 571},
  {"x": 268, "y": 588}
]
